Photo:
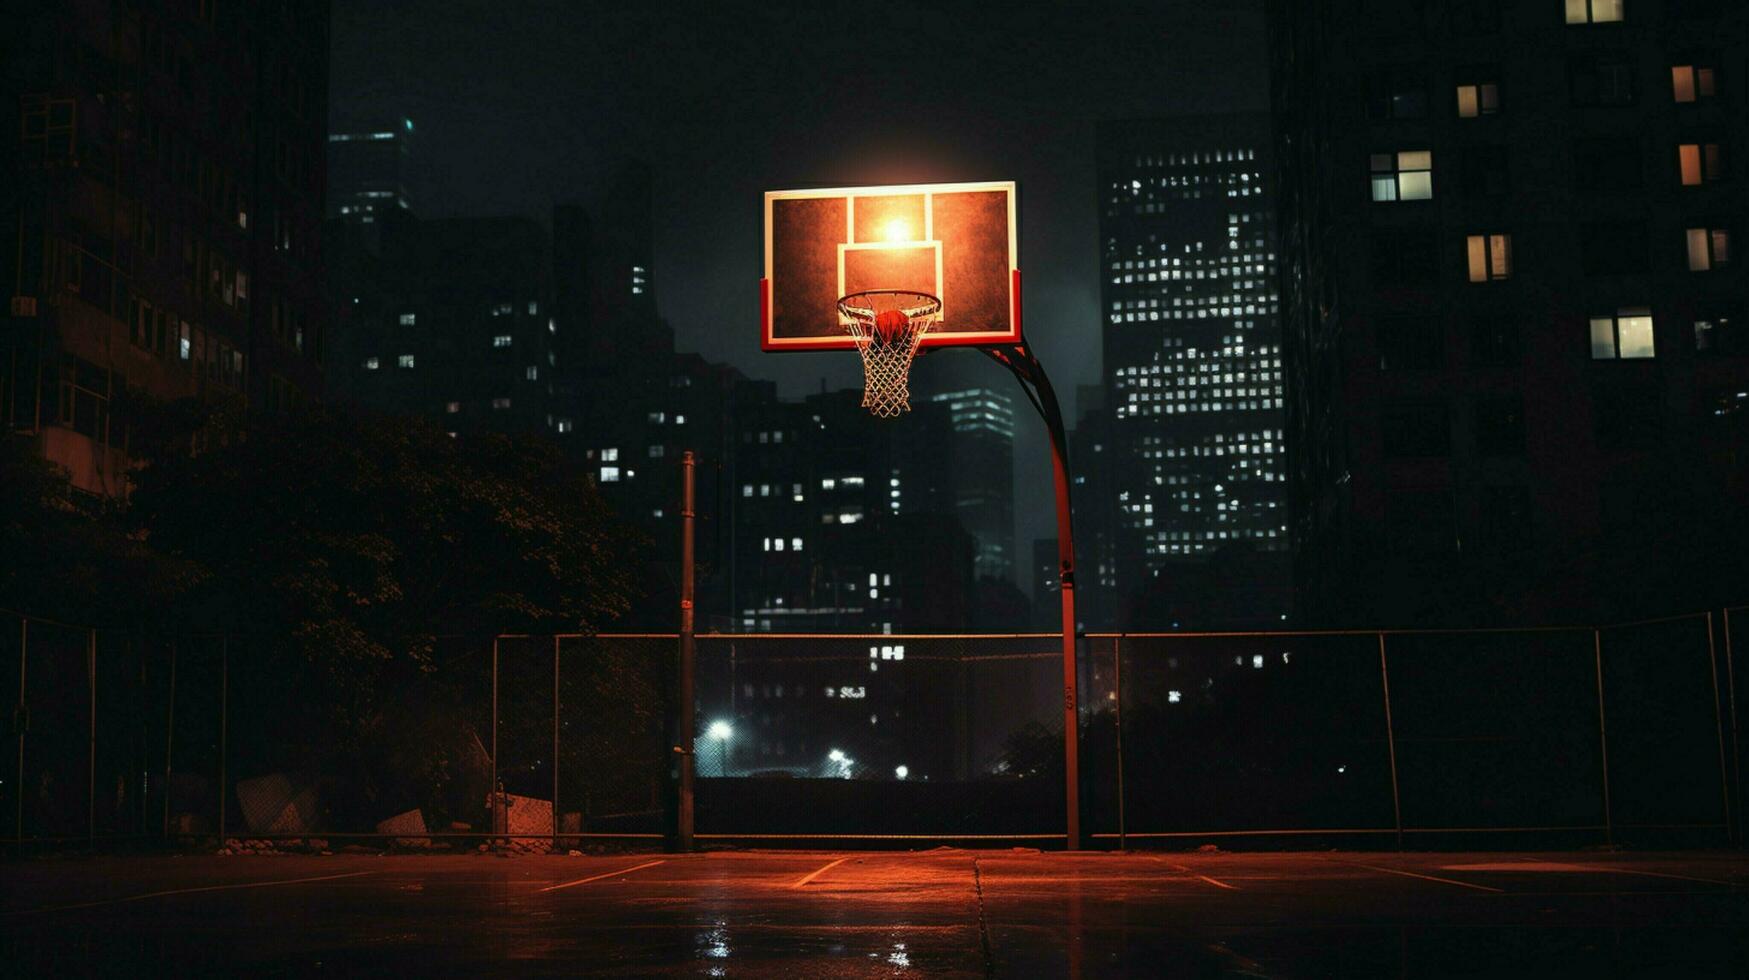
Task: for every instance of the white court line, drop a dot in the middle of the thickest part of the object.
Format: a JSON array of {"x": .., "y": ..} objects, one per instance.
[
  {"x": 609, "y": 874},
  {"x": 1411, "y": 874},
  {"x": 1655, "y": 874},
  {"x": 188, "y": 891},
  {"x": 1186, "y": 870},
  {"x": 1218, "y": 884},
  {"x": 817, "y": 872}
]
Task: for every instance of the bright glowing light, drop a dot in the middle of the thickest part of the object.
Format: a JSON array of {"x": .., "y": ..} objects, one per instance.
[
  {"x": 721, "y": 730},
  {"x": 898, "y": 230},
  {"x": 835, "y": 755},
  {"x": 902, "y": 771}
]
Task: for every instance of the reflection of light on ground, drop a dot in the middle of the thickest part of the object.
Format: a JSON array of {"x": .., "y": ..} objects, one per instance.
[
  {"x": 715, "y": 944},
  {"x": 898, "y": 957}
]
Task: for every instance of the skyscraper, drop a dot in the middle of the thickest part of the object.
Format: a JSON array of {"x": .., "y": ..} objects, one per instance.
[
  {"x": 163, "y": 234},
  {"x": 367, "y": 170},
  {"x": 1514, "y": 315},
  {"x": 981, "y": 473},
  {"x": 1192, "y": 355}
]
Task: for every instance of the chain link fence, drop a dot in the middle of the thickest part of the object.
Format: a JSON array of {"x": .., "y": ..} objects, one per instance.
[{"x": 1536, "y": 737}]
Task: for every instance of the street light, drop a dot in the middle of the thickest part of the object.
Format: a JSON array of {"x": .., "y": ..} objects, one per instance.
[
  {"x": 719, "y": 732},
  {"x": 902, "y": 771}
]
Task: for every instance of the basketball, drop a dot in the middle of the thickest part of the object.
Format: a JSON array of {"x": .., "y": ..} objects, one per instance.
[{"x": 889, "y": 324}]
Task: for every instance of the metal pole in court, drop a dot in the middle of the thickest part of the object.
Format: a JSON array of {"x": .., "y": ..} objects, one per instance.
[
  {"x": 1391, "y": 740},
  {"x": 1117, "y": 684},
  {"x": 224, "y": 726},
  {"x": 1602, "y": 735},
  {"x": 1036, "y": 385},
  {"x": 494, "y": 797},
  {"x": 1712, "y": 657},
  {"x": 21, "y": 721},
  {"x": 169, "y": 737},
  {"x": 685, "y": 727},
  {"x": 555, "y": 741},
  {"x": 91, "y": 747}
]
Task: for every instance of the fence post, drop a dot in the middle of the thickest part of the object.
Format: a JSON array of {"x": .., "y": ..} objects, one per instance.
[
  {"x": 1391, "y": 740},
  {"x": 224, "y": 726},
  {"x": 494, "y": 795},
  {"x": 91, "y": 747},
  {"x": 1117, "y": 684},
  {"x": 21, "y": 721},
  {"x": 1736, "y": 751},
  {"x": 1603, "y": 736},
  {"x": 1712, "y": 659},
  {"x": 556, "y": 816},
  {"x": 169, "y": 738}
]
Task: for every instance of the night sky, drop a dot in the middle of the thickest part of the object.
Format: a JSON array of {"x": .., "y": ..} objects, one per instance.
[{"x": 522, "y": 105}]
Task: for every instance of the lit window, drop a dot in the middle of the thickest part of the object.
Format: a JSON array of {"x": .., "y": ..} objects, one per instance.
[
  {"x": 656, "y": 418},
  {"x": 795, "y": 544},
  {"x": 565, "y": 426},
  {"x": 610, "y": 474},
  {"x": 1490, "y": 257},
  {"x": 1478, "y": 100},
  {"x": 532, "y": 374},
  {"x": 500, "y": 403},
  {"x": 610, "y": 454},
  {"x": 453, "y": 407},
  {"x": 533, "y": 307},
  {"x": 408, "y": 319},
  {"x": 1692, "y": 83},
  {"x": 657, "y": 451},
  {"x": 370, "y": 364},
  {"x": 405, "y": 360},
  {"x": 679, "y": 420},
  {"x": 1627, "y": 335},
  {"x": 1708, "y": 248},
  {"x": 1702, "y": 163},
  {"x": 1596, "y": 11},
  {"x": 502, "y": 340},
  {"x": 1402, "y": 176}
]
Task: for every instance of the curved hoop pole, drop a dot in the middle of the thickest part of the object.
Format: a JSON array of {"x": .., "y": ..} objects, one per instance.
[{"x": 1019, "y": 359}]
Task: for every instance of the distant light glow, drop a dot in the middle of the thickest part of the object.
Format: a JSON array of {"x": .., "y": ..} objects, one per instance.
[
  {"x": 902, "y": 771},
  {"x": 836, "y": 755},
  {"x": 721, "y": 730}
]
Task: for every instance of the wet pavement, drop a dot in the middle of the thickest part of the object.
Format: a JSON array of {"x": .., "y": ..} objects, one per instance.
[{"x": 932, "y": 913}]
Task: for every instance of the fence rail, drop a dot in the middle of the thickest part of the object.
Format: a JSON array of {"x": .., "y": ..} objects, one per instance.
[{"x": 1623, "y": 733}]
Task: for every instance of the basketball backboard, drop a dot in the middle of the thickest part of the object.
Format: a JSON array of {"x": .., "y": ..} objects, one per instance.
[{"x": 956, "y": 242}]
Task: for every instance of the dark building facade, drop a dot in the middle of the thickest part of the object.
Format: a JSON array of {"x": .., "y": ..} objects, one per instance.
[
  {"x": 1194, "y": 453},
  {"x": 163, "y": 230},
  {"x": 1514, "y": 305},
  {"x": 450, "y": 319},
  {"x": 844, "y": 521}
]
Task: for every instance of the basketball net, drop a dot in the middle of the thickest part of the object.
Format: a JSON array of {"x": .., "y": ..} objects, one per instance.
[{"x": 888, "y": 325}]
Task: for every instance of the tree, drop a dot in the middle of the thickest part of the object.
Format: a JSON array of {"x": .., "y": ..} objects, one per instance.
[{"x": 357, "y": 551}]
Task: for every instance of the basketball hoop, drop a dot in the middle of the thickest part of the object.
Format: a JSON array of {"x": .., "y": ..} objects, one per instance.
[{"x": 887, "y": 325}]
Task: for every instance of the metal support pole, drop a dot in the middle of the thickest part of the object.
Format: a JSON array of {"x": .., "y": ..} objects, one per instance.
[
  {"x": 169, "y": 737},
  {"x": 555, "y": 742},
  {"x": 496, "y": 797},
  {"x": 1036, "y": 385},
  {"x": 1712, "y": 659},
  {"x": 91, "y": 745},
  {"x": 1391, "y": 740},
  {"x": 224, "y": 727},
  {"x": 21, "y": 721},
  {"x": 1736, "y": 751},
  {"x": 1117, "y": 684},
  {"x": 1602, "y": 735},
  {"x": 686, "y": 726}
]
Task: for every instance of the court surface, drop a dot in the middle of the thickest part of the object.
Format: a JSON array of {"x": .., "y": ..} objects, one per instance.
[{"x": 837, "y": 914}]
